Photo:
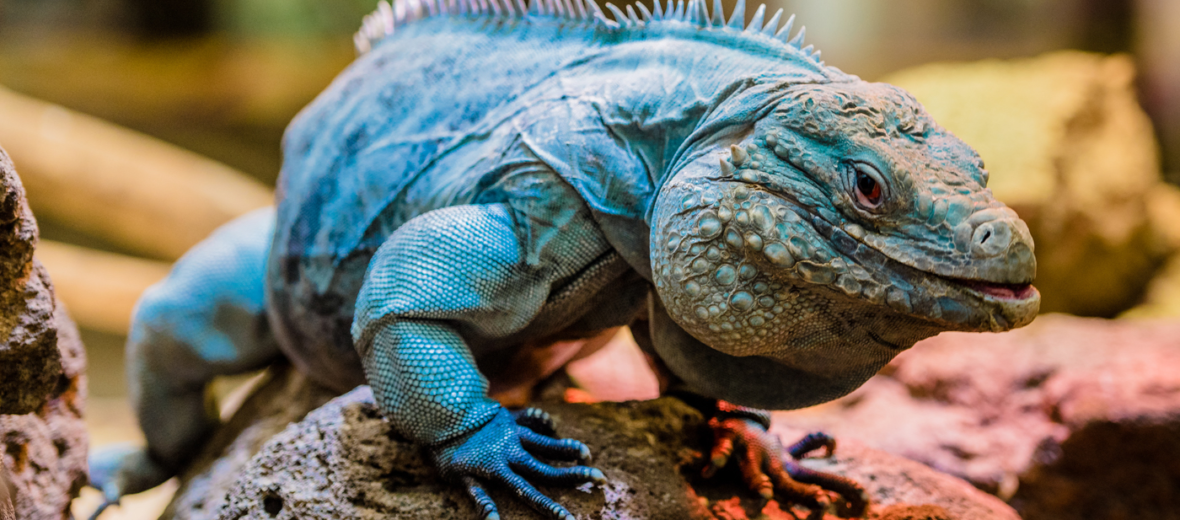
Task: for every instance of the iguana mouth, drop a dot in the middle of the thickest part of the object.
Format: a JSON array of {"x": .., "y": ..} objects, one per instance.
[
  {"x": 996, "y": 290},
  {"x": 999, "y": 291}
]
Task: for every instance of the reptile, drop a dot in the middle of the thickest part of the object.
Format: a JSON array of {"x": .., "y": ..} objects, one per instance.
[{"x": 489, "y": 178}]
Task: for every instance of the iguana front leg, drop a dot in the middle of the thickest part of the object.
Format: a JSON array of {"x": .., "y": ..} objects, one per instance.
[
  {"x": 417, "y": 314},
  {"x": 425, "y": 379}
]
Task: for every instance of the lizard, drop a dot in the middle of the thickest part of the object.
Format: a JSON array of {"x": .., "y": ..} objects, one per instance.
[{"x": 489, "y": 176}]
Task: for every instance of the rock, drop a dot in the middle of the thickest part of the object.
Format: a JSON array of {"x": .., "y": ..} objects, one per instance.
[
  {"x": 6, "y": 510},
  {"x": 281, "y": 397},
  {"x": 29, "y": 359},
  {"x": 904, "y": 489},
  {"x": 1069, "y": 148},
  {"x": 1067, "y": 418},
  {"x": 44, "y": 453},
  {"x": 43, "y": 439},
  {"x": 343, "y": 461}
]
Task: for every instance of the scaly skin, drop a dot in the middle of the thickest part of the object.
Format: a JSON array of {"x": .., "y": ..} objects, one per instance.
[{"x": 480, "y": 181}]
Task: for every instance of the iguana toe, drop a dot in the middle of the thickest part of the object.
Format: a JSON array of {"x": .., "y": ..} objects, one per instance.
[
  {"x": 504, "y": 453},
  {"x": 537, "y": 420},
  {"x": 811, "y": 442},
  {"x": 561, "y": 449},
  {"x": 856, "y": 495}
]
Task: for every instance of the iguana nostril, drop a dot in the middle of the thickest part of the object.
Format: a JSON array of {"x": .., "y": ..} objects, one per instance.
[{"x": 991, "y": 238}]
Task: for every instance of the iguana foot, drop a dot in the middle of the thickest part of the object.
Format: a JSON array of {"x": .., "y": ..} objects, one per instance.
[
  {"x": 765, "y": 469},
  {"x": 503, "y": 452},
  {"x": 858, "y": 499},
  {"x": 124, "y": 469}
]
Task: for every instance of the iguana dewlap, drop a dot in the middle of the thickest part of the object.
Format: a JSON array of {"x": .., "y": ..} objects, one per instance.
[{"x": 484, "y": 178}]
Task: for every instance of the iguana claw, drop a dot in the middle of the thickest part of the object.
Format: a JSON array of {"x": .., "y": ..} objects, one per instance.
[
  {"x": 768, "y": 472},
  {"x": 502, "y": 452},
  {"x": 537, "y": 420}
]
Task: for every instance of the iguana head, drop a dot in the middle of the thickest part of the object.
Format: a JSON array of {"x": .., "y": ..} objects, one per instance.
[{"x": 844, "y": 229}]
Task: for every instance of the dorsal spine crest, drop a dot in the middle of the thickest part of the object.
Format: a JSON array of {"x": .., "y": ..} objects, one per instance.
[{"x": 388, "y": 17}]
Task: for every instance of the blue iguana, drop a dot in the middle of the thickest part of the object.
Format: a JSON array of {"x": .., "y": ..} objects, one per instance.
[{"x": 489, "y": 176}]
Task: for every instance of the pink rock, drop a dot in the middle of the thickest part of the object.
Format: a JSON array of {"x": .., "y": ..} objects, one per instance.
[{"x": 1067, "y": 418}]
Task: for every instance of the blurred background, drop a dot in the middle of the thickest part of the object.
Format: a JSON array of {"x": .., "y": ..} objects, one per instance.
[{"x": 138, "y": 126}]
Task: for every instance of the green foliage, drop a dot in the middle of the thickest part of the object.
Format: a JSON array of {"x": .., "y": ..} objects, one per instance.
[{"x": 292, "y": 17}]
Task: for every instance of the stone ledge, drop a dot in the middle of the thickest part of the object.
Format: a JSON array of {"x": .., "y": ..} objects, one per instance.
[{"x": 343, "y": 461}]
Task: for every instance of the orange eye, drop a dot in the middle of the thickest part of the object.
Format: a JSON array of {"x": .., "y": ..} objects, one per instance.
[{"x": 868, "y": 190}]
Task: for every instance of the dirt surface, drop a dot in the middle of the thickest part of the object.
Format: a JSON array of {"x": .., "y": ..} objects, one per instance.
[{"x": 343, "y": 461}]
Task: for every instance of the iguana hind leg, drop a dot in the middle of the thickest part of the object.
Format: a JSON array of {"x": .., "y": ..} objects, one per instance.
[{"x": 205, "y": 319}]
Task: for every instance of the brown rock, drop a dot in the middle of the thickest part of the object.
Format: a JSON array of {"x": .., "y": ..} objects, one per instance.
[
  {"x": 1068, "y": 148},
  {"x": 43, "y": 440},
  {"x": 344, "y": 461},
  {"x": 281, "y": 397},
  {"x": 44, "y": 453},
  {"x": 1067, "y": 418},
  {"x": 29, "y": 359}
]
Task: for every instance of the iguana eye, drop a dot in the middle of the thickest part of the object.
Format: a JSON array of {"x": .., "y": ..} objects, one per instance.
[{"x": 868, "y": 189}]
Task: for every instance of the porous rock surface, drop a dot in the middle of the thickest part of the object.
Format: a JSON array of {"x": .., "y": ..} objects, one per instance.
[
  {"x": 43, "y": 440},
  {"x": 343, "y": 461},
  {"x": 29, "y": 359},
  {"x": 1069, "y": 418},
  {"x": 44, "y": 452},
  {"x": 1070, "y": 149}
]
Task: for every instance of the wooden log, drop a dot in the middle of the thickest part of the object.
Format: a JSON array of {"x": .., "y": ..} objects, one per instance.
[
  {"x": 138, "y": 192},
  {"x": 99, "y": 288}
]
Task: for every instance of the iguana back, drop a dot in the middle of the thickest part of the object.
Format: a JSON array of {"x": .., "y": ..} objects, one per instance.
[{"x": 451, "y": 110}]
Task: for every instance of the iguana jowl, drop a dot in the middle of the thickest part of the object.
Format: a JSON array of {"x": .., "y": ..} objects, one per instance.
[{"x": 488, "y": 176}]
